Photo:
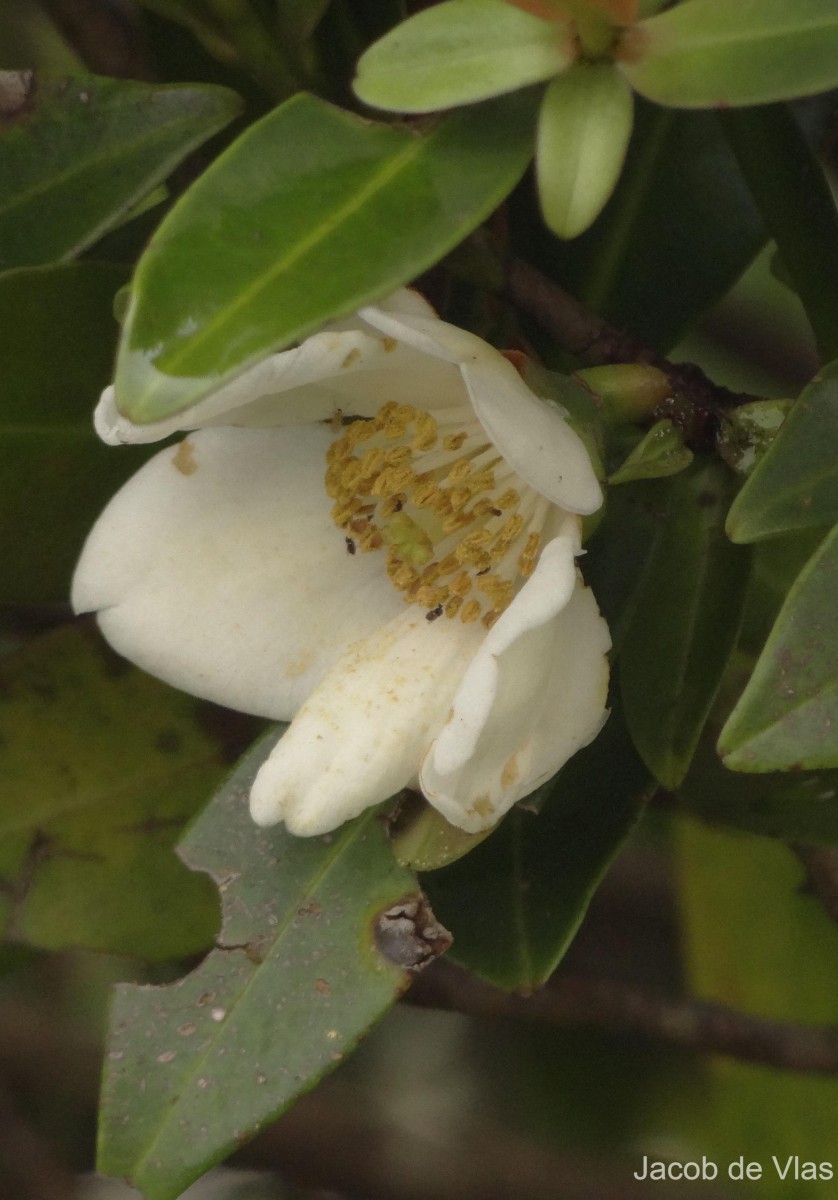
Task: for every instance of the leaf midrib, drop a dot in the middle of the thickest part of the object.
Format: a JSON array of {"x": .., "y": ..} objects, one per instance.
[{"x": 208, "y": 332}]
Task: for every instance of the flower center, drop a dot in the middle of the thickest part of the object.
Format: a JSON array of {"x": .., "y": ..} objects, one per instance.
[{"x": 462, "y": 531}]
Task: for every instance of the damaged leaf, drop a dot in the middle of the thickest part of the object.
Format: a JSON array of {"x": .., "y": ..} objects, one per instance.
[{"x": 318, "y": 938}]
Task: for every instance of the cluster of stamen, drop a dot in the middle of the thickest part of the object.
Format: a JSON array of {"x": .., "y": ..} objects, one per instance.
[{"x": 433, "y": 491}]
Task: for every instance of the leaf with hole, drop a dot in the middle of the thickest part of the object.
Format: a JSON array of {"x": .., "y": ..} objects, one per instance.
[{"x": 298, "y": 976}]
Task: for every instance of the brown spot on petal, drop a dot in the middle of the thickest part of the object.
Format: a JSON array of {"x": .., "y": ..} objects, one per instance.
[
  {"x": 389, "y": 344},
  {"x": 482, "y": 806},
  {"x": 184, "y": 458},
  {"x": 352, "y": 357},
  {"x": 510, "y": 771}
]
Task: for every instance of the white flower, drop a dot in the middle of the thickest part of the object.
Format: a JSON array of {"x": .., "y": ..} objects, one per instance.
[{"x": 265, "y": 562}]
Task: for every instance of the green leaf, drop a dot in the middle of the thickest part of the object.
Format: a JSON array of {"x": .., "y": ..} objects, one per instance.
[
  {"x": 639, "y": 268},
  {"x": 799, "y": 806},
  {"x": 75, "y": 156},
  {"x": 515, "y": 903},
  {"x": 795, "y": 485},
  {"x": 311, "y": 213},
  {"x": 747, "y": 434},
  {"x": 458, "y": 52},
  {"x": 583, "y": 133},
  {"x": 661, "y": 452},
  {"x": 55, "y": 474},
  {"x": 629, "y": 529},
  {"x": 712, "y": 53},
  {"x": 423, "y": 840},
  {"x": 789, "y": 186},
  {"x": 29, "y": 38},
  {"x": 787, "y": 717},
  {"x": 685, "y": 622},
  {"x": 197, "y": 1067},
  {"x": 756, "y": 939},
  {"x": 92, "y": 799}
]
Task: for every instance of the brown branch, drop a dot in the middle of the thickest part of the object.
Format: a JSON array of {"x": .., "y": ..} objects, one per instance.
[
  {"x": 697, "y": 404},
  {"x": 623, "y": 1008}
]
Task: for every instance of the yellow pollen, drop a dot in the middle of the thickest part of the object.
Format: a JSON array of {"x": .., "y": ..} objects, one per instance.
[
  {"x": 460, "y": 470},
  {"x": 509, "y": 499},
  {"x": 455, "y": 544},
  {"x": 470, "y": 612}
]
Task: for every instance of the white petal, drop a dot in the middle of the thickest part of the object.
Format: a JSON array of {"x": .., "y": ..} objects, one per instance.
[
  {"x": 532, "y": 435},
  {"x": 360, "y": 736},
  {"x": 533, "y": 695},
  {"x": 218, "y": 568},
  {"x": 347, "y": 367}
]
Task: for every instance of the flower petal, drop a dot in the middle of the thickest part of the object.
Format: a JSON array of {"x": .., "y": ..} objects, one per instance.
[
  {"x": 347, "y": 367},
  {"x": 533, "y": 695},
  {"x": 530, "y": 433},
  {"x": 218, "y": 568},
  {"x": 360, "y": 736}
]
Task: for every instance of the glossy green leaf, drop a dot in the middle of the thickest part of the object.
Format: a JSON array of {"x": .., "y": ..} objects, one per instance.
[
  {"x": 75, "y": 156},
  {"x": 685, "y": 622},
  {"x": 797, "y": 806},
  {"x": 311, "y": 213},
  {"x": 92, "y": 798},
  {"x": 638, "y": 267},
  {"x": 793, "y": 193},
  {"x": 197, "y": 1067},
  {"x": 583, "y": 132},
  {"x": 713, "y": 53},
  {"x": 787, "y": 717},
  {"x": 661, "y": 452},
  {"x": 795, "y": 485},
  {"x": 515, "y": 903},
  {"x": 55, "y": 474},
  {"x": 458, "y": 52},
  {"x": 756, "y": 939}
]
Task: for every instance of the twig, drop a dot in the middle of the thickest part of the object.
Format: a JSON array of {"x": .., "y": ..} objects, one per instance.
[
  {"x": 697, "y": 405},
  {"x": 620, "y": 1007}
]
